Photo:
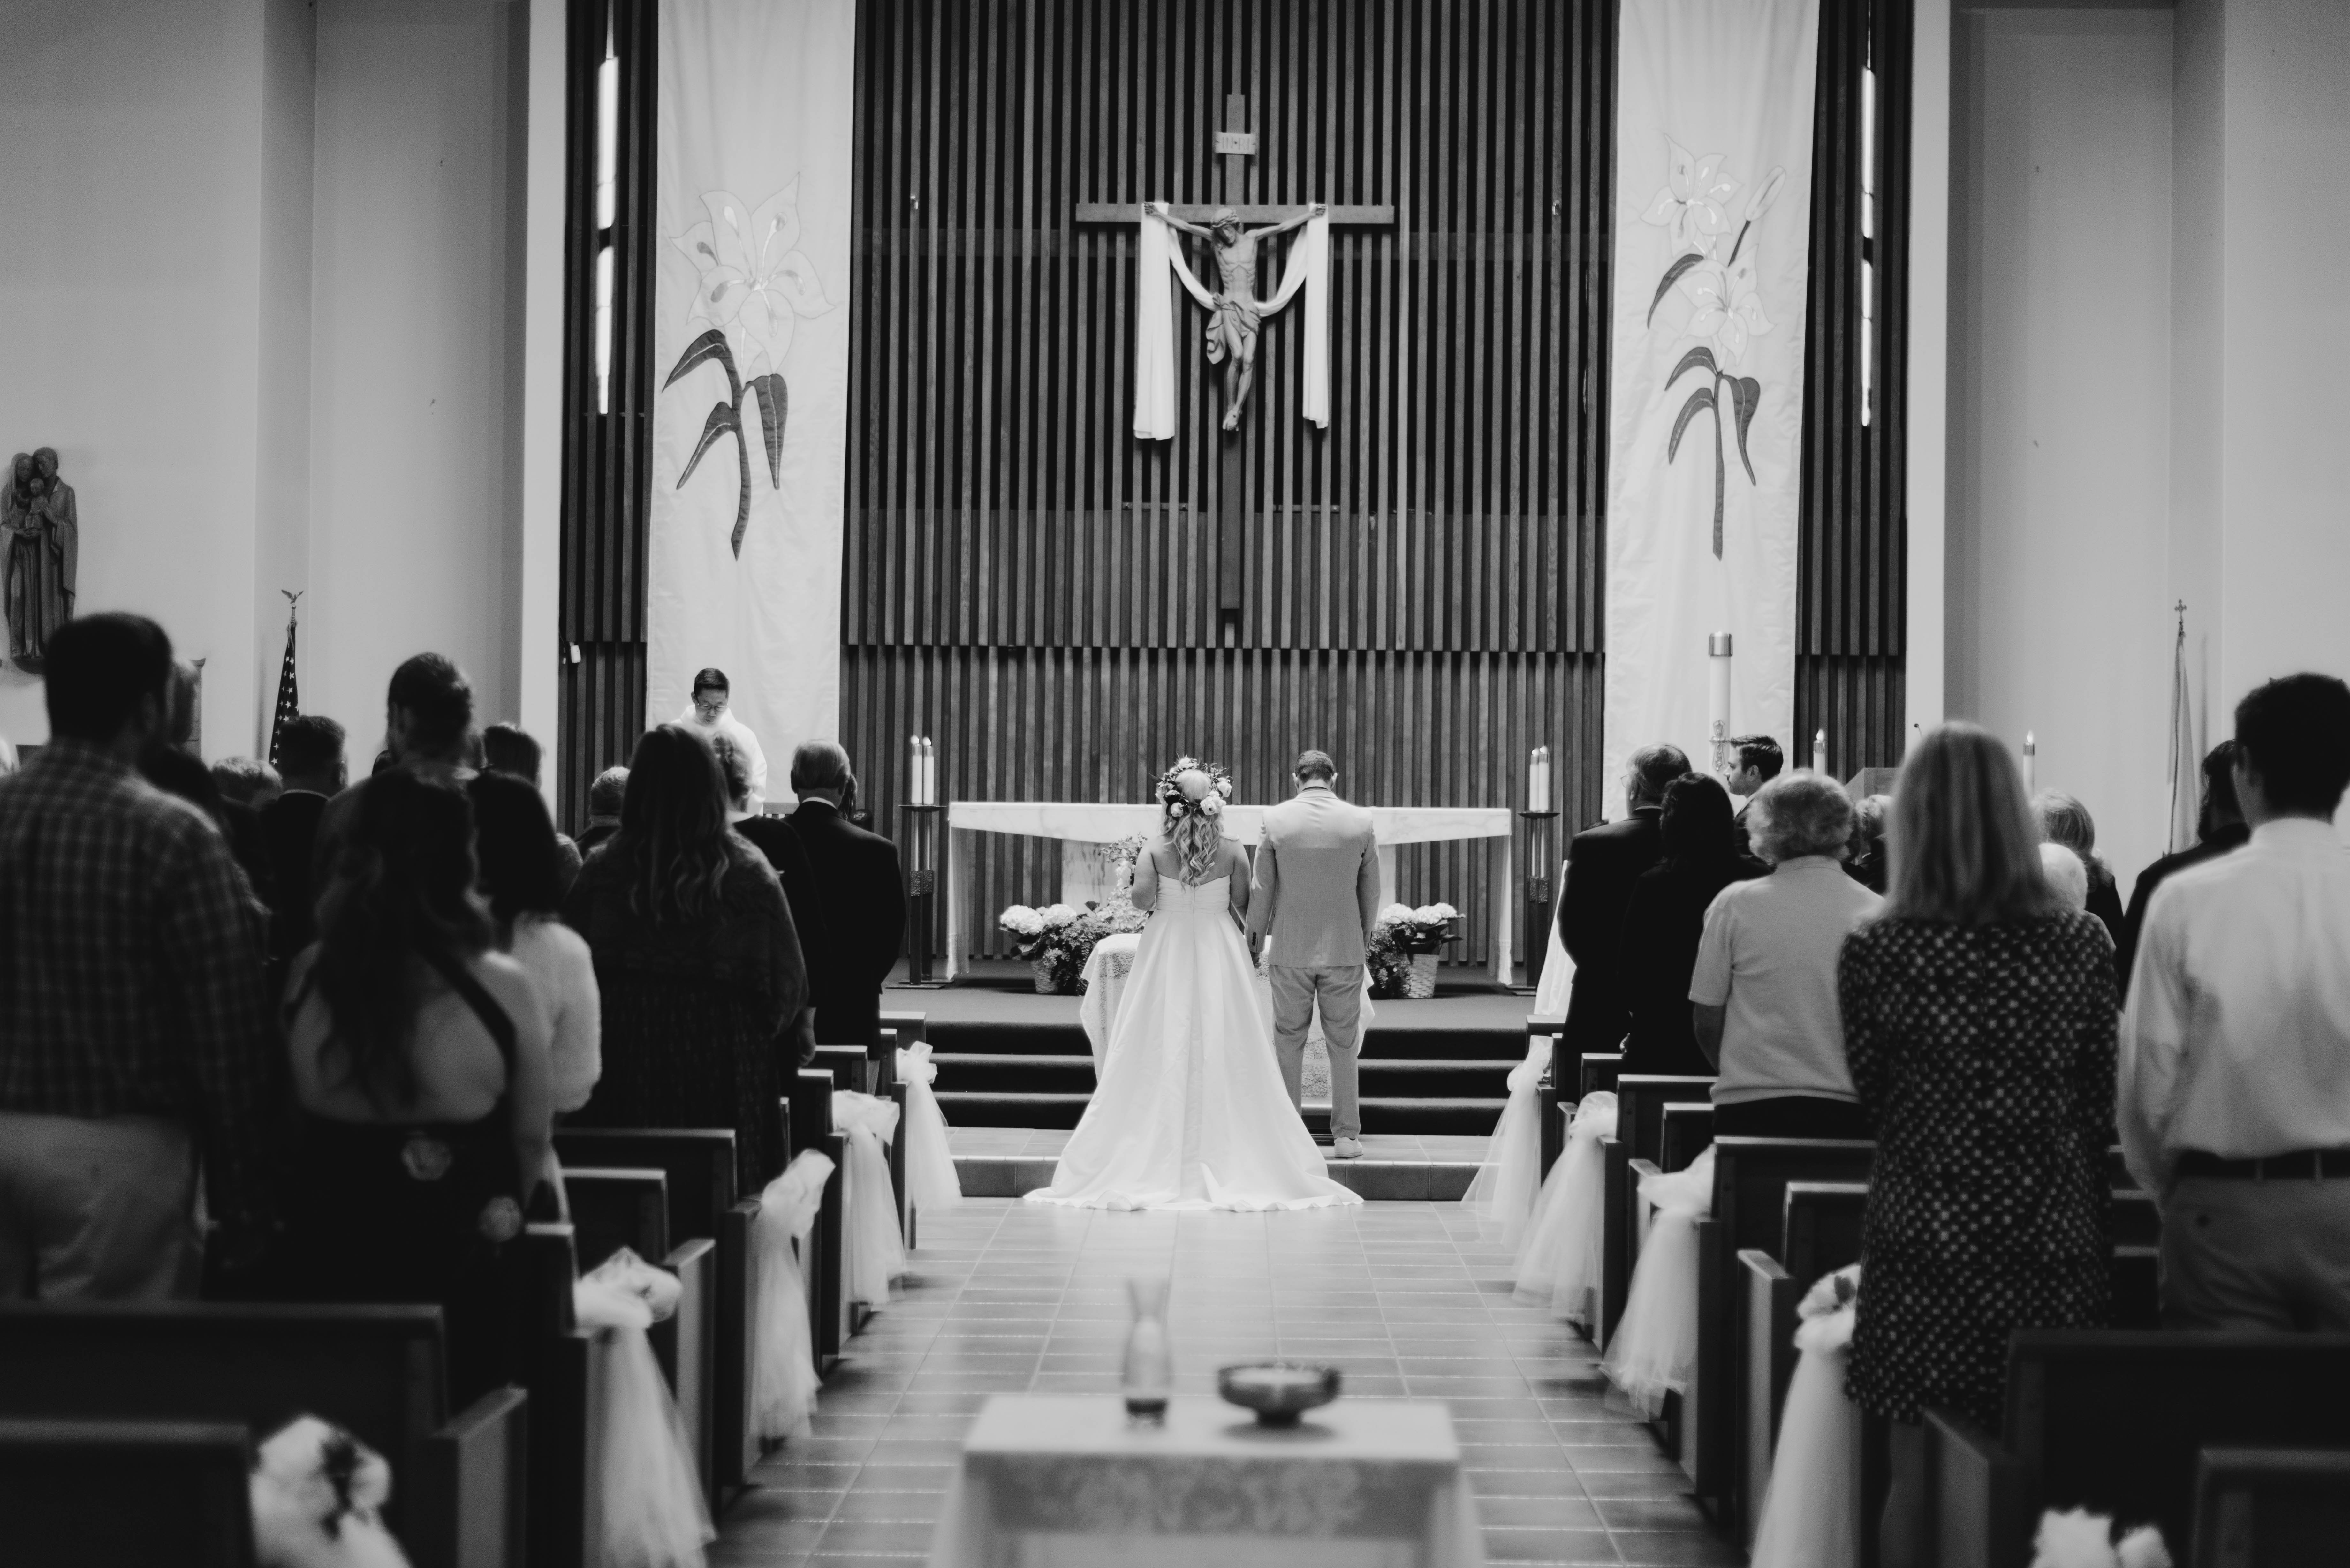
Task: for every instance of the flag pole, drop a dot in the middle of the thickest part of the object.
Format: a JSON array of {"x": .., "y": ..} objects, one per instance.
[{"x": 2181, "y": 761}]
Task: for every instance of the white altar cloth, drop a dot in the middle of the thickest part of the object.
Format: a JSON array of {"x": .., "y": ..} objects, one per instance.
[
  {"x": 1052, "y": 1480},
  {"x": 1106, "y": 824}
]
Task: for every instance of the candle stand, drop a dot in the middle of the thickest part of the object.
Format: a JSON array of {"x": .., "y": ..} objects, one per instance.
[
  {"x": 1540, "y": 860},
  {"x": 921, "y": 894}
]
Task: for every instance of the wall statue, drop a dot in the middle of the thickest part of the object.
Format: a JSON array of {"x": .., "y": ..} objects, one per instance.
[{"x": 40, "y": 538}]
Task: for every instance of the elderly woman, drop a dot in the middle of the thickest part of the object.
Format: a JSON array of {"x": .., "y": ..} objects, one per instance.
[
  {"x": 1764, "y": 996},
  {"x": 2064, "y": 820}
]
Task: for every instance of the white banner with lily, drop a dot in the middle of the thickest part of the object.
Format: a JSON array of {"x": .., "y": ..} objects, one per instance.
[
  {"x": 1713, "y": 166},
  {"x": 751, "y": 361}
]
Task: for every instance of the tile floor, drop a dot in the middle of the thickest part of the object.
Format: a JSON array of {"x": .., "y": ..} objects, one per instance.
[{"x": 1007, "y": 1296}]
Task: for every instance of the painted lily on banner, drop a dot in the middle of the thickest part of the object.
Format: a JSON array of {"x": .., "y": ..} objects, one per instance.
[
  {"x": 755, "y": 284},
  {"x": 1725, "y": 295}
]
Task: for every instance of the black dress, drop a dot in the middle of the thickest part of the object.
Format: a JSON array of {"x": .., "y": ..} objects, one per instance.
[
  {"x": 415, "y": 1212},
  {"x": 1662, "y": 926},
  {"x": 1984, "y": 1058}
]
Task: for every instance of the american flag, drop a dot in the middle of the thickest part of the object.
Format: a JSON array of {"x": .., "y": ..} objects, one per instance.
[{"x": 290, "y": 695}]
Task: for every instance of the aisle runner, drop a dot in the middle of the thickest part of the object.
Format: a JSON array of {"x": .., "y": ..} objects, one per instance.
[
  {"x": 751, "y": 334},
  {"x": 1713, "y": 150}
]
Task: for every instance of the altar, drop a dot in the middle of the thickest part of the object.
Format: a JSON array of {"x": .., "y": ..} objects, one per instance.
[{"x": 1078, "y": 823}]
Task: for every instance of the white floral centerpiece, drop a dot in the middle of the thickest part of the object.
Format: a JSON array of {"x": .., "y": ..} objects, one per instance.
[{"x": 1403, "y": 947}]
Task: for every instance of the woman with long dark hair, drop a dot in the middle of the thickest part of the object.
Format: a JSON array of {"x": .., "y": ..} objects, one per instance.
[
  {"x": 696, "y": 959},
  {"x": 522, "y": 877},
  {"x": 419, "y": 1065},
  {"x": 1666, "y": 917},
  {"x": 1979, "y": 1025}
]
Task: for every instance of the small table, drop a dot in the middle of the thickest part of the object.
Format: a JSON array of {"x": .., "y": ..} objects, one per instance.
[{"x": 1054, "y": 1480}]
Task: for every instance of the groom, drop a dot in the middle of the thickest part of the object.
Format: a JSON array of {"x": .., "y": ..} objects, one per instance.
[{"x": 1317, "y": 891}]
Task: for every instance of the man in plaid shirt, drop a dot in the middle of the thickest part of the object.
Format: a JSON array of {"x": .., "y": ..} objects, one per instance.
[{"x": 133, "y": 1018}]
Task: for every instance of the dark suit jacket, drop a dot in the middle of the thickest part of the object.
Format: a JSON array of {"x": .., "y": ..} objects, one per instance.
[
  {"x": 2223, "y": 841},
  {"x": 1662, "y": 924},
  {"x": 864, "y": 897},
  {"x": 289, "y": 827},
  {"x": 773, "y": 837},
  {"x": 1602, "y": 865}
]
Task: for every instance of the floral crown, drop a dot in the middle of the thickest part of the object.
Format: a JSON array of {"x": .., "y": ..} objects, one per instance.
[{"x": 1176, "y": 804}]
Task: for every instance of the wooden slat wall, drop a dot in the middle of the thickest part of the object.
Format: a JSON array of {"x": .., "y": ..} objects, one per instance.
[
  {"x": 1850, "y": 598},
  {"x": 1036, "y": 589}
]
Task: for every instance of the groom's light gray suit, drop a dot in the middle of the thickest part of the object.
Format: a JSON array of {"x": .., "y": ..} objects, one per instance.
[{"x": 1317, "y": 890}]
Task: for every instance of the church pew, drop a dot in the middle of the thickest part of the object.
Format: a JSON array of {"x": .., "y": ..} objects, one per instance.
[
  {"x": 911, "y": 1026},
  {"x": 2115, "y": 1422},
  {"x": 2134, "y": 1221},
  {"x": 1750, "y": 1183},
  {"x": 700, "y": 1166},
  {"x": 812, "y": 1128},
  {"x": 1597, "y": 1072},
  {"x": 1682, "y": 1133},
  {"x": 2136, "y": 1278},
  {"x": 1820, "y": 1233},
  {"x": 64, "y": 1484},
  {"x": 849, "y": 1066},
  {"x": 566, "y": 1398},
  {"x": 2271, "y": 1508},
  {"x": 1640, "y": 1099},
  {"x": 611, "y": 1208},
  {"x": 458, "y": 1496},
  {"x": 1559, "y": 1083}
]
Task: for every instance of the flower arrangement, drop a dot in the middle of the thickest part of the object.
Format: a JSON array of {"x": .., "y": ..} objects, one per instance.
[
  {"x": 1175, "y": 789},
  {"x": 1401, "y": 953},
  {"x": 1057, "y": 940}
]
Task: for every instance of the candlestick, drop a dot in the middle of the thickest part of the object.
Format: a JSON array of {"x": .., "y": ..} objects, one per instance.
[
  {"x": 1820, "y": 751},
  {"x": 2031, "y": 763}
]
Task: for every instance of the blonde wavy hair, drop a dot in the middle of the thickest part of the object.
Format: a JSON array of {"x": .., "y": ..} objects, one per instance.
[
  {"x": 1965, "y": 846},
  {"x": 1190, "y": 813}
]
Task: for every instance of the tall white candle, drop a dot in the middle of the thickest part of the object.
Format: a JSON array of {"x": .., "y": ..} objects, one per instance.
[
  {"x": 1819, "y": 751},
  {"x": 929, "y": 772},
  {"x": 2031, "y": 763}
]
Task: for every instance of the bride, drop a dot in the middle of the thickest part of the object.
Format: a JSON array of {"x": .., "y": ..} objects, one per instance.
[{"x": 1192, "y": 1112}]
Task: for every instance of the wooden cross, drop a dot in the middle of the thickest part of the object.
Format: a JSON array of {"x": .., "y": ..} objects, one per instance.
[{"x": 1237, "y": 144}]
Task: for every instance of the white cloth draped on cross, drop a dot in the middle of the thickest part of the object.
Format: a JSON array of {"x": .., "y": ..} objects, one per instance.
[{"x": 1307, "y": 272}]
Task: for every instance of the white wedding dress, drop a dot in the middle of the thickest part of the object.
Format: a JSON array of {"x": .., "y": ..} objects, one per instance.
[{"x": 1192, "y": 1112}]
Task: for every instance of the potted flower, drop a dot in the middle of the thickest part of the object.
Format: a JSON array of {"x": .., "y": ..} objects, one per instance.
[{"x": 1402, "y": 950}]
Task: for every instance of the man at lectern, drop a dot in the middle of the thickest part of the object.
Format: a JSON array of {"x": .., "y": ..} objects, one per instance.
[{"x": 708, "y": 715}]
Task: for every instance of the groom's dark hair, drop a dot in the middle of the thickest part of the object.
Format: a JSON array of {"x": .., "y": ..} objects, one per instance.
[{"x": 1312, "y": 765}]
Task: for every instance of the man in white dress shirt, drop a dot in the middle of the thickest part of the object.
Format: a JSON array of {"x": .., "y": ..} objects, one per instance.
[
  {"x": 707, "y": 715},
  {"x": 2235, "y": 1048}
]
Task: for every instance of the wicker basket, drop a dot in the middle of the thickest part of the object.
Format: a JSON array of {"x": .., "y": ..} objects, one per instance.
[
  {"x": 1043, "y": 970},
  {"x": 1421, "y": 981}
]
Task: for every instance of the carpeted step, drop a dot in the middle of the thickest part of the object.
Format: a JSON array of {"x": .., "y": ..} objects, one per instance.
[
  {"x": 1009, "y": 1074},
  {"x": 1417, "y": 1078},
  {"x": 965, "y": 1108},
  {"x": 1020, "y": 1039},
  {"x": 1461, "y": 1115}
]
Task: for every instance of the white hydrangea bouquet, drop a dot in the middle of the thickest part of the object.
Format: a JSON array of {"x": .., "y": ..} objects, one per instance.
[
  {"x": 1403, "y": 947},
  {"x": 1057, "y": 940}
]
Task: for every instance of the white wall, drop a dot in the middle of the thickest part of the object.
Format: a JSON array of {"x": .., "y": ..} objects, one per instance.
[
  {"x": 2058, "y": 580},
  {"x": 415, "y": 359}
]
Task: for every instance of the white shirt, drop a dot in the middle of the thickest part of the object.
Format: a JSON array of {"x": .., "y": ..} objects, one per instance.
[
  {"x": 1768, "y": 955},
  {"x": 2236, "y": 1041},
  {"x": 734, "y": 730},
  {"x": 562, "y": 972}
]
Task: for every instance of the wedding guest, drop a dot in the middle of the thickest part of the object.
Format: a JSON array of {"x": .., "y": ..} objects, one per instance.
[
  {"x": 420, "y": 1059},
  {"x": 773, "y": 837},
  {"x": 2068, "y": 878},
  {"x": 696, "y": 959},
  {"x": 1865, "y": 864},
  {"x": 2220, "y": 829},
  {"x": 707, "y": 716},
  {"x": 428, "y": 724},
  {"x": 1759, "y": 762},
  {"x": 247, "y": 781},
  {"x": 2235, "y": 1069},
  {"x": 522, "y": 877},
  {"x": 1979, "y": 1023},
  {"x": 1666, "y": 915},
  {"x": 2064, "y": 820},
  {"x": 1762, "y": 995},
  {"x": 604, "y": 797},
  {"x": 511, "y": 750},
  {"x": 862, "y": 892},
  {"x": 1602, "y": 865},
  {"x": 172, "y": 764},
  {"x": 134, "y": 1040},
  {"x": 310, "y": 747}
]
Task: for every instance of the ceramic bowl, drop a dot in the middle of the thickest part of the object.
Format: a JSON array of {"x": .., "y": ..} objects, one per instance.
[{"x": 1278, "y": 1391}]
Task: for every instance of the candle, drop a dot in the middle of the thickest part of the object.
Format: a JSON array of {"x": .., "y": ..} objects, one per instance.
[
  {"x": 1820, "y": 751},
  {"x": 1538, "y": 779},
  {"x": 2031, "y": 763},
  {"x": 1717, "y": 699},
  {"x": 930, "y": 772},
  {"x": 1545, "y": 780}
]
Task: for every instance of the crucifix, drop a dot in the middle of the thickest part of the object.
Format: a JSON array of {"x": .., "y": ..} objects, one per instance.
[{"x": 1235, "y": 311}]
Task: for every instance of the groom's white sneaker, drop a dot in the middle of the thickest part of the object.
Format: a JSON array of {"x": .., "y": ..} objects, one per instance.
[{"x": 1349, "y": 1148}]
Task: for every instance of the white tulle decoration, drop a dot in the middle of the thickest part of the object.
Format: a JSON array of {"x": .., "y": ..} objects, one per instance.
[
  {"x": 1655, "y": 1348},
  {"x": 1558, "y": 1263},
  {"x": 1501, "y": 1195},
  {"x": 873, "y": 1252},
  {"x": 932, "y": 1184},
  {"x": 642, "y": 1455},
  {"x": 2076, "y": 1538},
  {"x": 317, "y": 1491},
  {"x": 1810, "y": 1509},
  {"x": 784, "y": 1379}
]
